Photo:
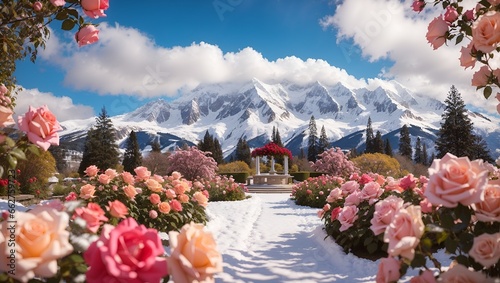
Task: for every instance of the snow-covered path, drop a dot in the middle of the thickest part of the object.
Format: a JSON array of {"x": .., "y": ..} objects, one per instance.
[{"x": 267, "y": 238}]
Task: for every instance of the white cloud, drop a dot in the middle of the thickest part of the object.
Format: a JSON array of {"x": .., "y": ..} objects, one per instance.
[
  {"x": 62, "y": 107},
  {"x": 389, "y": 29}
]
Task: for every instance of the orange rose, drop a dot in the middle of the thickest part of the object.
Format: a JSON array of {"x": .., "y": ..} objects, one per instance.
[
  {"x": 87, "y": 191},
  {"x": 130, "y": 191},
  {"x": 6, "y": 117},
  {"x": 201, "y": 199},
  {"x": 486, "y": 32},
  {"x": 164, "y": 207},
  {"x": 153, "y": 185}
]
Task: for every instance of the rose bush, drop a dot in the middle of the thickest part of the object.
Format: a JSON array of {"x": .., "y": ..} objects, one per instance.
[
  {"x": 314, "y": 191},
  {"x": 221, "y": 188}
]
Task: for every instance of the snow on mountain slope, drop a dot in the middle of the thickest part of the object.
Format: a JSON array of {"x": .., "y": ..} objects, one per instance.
[{"x": 251, "y": 109}]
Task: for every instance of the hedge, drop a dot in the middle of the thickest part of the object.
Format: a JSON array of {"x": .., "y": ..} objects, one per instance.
[{"x": 239, "y": 177}]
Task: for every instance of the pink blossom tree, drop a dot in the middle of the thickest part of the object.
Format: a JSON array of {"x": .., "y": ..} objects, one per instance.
[
  {"x": 192, "y": 163},
  {"x": 334, "y": 162}
]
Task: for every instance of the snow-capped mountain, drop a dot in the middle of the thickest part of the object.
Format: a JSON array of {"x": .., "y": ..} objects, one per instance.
[{"x": 250, "y": 110}]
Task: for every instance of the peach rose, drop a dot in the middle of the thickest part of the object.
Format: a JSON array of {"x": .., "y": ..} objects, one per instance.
[
  {"x": 111, "y": 173},
  {"x": 347, "y": 216},
  {"x": 466, "y": 58},
  {"x": 176, "y": 175},
  {"x": 41, "y": 239},
  {"x": 489, "y": 209},
  {"x": 460, "y": 273},
  {"x": 158, "y": 178},
  {"x": 130, "y": 191},
  {"x": 153, "y": 185},
  {"x": 6, "y": 119},
  {"x": 201, "y": 199},
  {"x": 93, "y": 216},
  {"x": 454, "y": 180},
  {"x": 104, "y": 179},
  {"x": 486, "y": 249},
  {"x": 164, "y": 207},
  {"x": 87, "y": 191},
  {"x": 95, "y": 8},
  {"x": 91, "y": 171},
  {"x": 142, "y": 173},
  {"x": 170, "y": 193},
  {"x": 480, "y": 78},
  {"x": 181, "y": 187},
  {"x": 194, "y": 256},
  {"x": 388, "y": 270},
  {"x": 384, "y": 212},
  {"x": 486, "y": 32},
  {"x": 41, "y": 127},
  {"x": 404, "y": 232},
  {"x": 117, "y": 209},
  {"x": 183, "y": 198},
  {"x": 87, "y": 35},
  {"x": 425, "y": 277},
  {"x": 154, "y": 198},
  {"x": 128, "y": 178},
  {"x": 436, "y": 32}
]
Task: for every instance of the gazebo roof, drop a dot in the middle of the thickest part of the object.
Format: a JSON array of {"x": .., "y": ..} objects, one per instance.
[{"x": 271, "y": 149}]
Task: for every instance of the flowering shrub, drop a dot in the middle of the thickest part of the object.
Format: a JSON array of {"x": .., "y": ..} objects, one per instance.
[
  {"x": 163, "y": 203},
  {"x": 222, "y": 188},
  {"x": 192, "y": 163},
  {"x": 272, "y": 149},
  {"x": 334, "y": 162},
  {"x": 314, "y": 191}
]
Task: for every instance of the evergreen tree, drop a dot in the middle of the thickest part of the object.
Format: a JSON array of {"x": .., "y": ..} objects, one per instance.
[
  {"x": 101, "y": 148},
  {"x": 207, "y": 144},
  {"x": 369, "y": 137},
  {"x": 425, "y": 156},
  {"x": 242, "y": 152},
  {"x": 155, "y": 146},
  {"x": 405, "y": 143},
  {"x": 302, "y": 154},
  {"x": 312, "y": 149},
  {"x": 417, "y": 155},
  {"x": 323, "y": 141},
  {"x": 217, "y": 153},
  {"x": 456, "y": 133},
  {"x": 132, "y": 157},
  {"x": 480, "y": 150},
  {"x": 378, "y": 143},
  {"x": 276, "y": 138},
  {"x": 387, "y": 147}
]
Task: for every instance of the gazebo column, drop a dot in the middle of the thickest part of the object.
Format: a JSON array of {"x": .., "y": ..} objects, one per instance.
[
  {"x": 286, "y": 165},
  {"x": 257, "y": 164}
]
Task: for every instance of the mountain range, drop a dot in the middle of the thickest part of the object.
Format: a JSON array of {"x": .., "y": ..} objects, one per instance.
[{"x": 233, "y": 110}]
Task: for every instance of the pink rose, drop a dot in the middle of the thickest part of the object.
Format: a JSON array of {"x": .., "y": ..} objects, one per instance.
[
  {"x": 71, "y": 196},
  {"x": 349, "y": 187},
  {"x": 158, "y": 178},
  {"x": 154, "y": 199},
  {"x": 486, "y": 32},
  {"x": 87, "y": 191},
  {"x": 371, "y": 191},
  {"x": 426, "y": 277},
  {"x": 128, "y": 252},
  {"x": 130, "y": 191},
  {"x": 469, "y": 15},
  {"x": 384, "y": 212},
  {"x": 6, "y": 119},
  {"x": 393, "y": 185},
  {"x": 460, "y": 273},
  {"x": 418, "y": 5},
  {"x": 176, "y": 175},
  {"x": 335, "y": 212},
  {"x": 92, "y": 214},
  {"x": 480, "y": 78},
  {"x": 58, "y": 2},
  {"x": 201, "y": 199},
  {"x": 170, "y": 193},
  {"x": 454, "y": 180},
  {"x": 194, "y": 256},
  {"x": 408, "y": 182},
  {"x": 104, "y": 179},
  {"x": 87, "y": 35},
  {"x": 164, "y": 207},
  {"x": 365, "y": 178},
  {"x": 95, "y": 8},
  {"x": 347, "y": 216},
  {"x": 142, "y": 173},
  {"x": 37, "y": 6},
  {"x": 486, "y": 249},
  {"x": 128, "y": 178},
  {"x": 3, "y": 90},
  {"x": 334, "y": 195},
  {"x": 117, "y": 209},
  {"x": 91, "y": 171},
  {"x": 41, "y": 127},
  {"x": 153, "y": 214},
  {"x": 489, "y": 209},
  {"x": 353, "y": 198},
  {"x": 111, "y": 173},
  {"x": 404, "y": 232},
  {"x": 153, "y": 185},
  {"x": 466, "y": 58},
  {"x": 451, "y": 14},
  {"x": 426, "y": 206},
  {"x": 436, "y": 32},
  {"x": 41, "y": 239},
  {"x": 175, "y": 205},
  {"x": 388, "y": 270}
]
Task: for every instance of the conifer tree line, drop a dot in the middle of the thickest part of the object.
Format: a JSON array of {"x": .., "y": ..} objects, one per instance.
[
  {"x": 212, "y": 144},
  {"x": 316, "y": 145}
]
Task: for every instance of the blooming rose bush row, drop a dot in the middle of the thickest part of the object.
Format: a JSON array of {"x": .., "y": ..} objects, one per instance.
[
  {"x": 457, "y": 208},
  {"x": 314, "y": 191},
  {"x": 222, "y": 188}
]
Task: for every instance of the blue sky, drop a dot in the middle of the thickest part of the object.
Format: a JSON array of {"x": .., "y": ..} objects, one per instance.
[{"x": 183, "y": 43}]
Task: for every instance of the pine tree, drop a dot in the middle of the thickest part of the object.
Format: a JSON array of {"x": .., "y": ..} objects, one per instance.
[
  {"x": 155, "y": 146},
  {"x": 312, "y": 148},
  {"x": 369, "y": 137},
  {"x": 425, "y": 156},
  {"x": 456, "y": 133},
  {"x": 242, "y": 152},
  {"x": 132, "y": 157},
  {"x": 302, "y": 154},
  {"x": 212, "y": 145},
  {"x": 417, "y": 155},
  {"x": 101, "y": 148},
  {"x": 378, "y": 143},
  {"x": 217, "y": 153},
  {"x": 323, "y": 141},
  {"x": 405, "y": 143},
  {"x": 276, "y": 138},
  {"x": 387, "y": 147},
  {"x": 480, "y": 150}
]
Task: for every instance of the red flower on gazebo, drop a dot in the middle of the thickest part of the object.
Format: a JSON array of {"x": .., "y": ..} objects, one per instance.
[{"x": 271, "y": 149}]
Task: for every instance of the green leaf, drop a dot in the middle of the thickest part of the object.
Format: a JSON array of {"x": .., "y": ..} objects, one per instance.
[
  {"x": 418, "y": 260},
  {"x": 68, "y": 24},
  {"x": 73, "y": 12},
  {"x": 18, "y": 153},
  {"x": 459, "y": 38},
  {"x": 62, "y": 15},
  {"x": 372, "y": 247},
  {"x": 450, "y": 245},
  {"x": 12, "y": 161},
  {"x": 447, "y": 221},
  {"x": 487, "y": 92},
  {"x": 34, "y": 149}
]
